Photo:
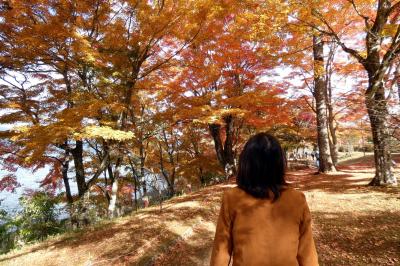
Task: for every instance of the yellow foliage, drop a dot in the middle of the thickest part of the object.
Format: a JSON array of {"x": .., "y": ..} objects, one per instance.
[
  {"x": 390, "y": 30},
  {"x": 104, "y": 132}
]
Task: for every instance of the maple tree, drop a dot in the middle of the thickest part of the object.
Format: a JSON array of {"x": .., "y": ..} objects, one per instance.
[
  {"x": 69, "y": 47},
  {"x": 223, "y": 88}
]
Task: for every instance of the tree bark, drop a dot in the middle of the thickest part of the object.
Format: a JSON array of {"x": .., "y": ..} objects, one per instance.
[
  {"x": 113, "y": 201},
  {"x": 136, "y": 198},
  {"x": 65, "y": 167},
  {"x": 333, "y": 142},
  {"x": 77, "y": 154},
  {"x": 332, "y": 126},
  {"x": 135, "y": 181},
  {"x": 375, "y": 100},
  {"x": 224, "y": 150},
  {"x": 378, "y": 114},
  {"x": 114, "y": 190},
  {"x": 397, "y": 77},
  {"x": 333, "y": 147},
  {"x": 168, "y": 177},
  {"x": 230, "y": 167},
  {"x": 325, "y": 160},
  {"x": 142, "y": 169}
]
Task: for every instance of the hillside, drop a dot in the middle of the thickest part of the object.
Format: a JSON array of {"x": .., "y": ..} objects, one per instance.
[{"x": 353, "y": 224}]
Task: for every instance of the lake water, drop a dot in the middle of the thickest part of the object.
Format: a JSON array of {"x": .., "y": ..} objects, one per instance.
[{"x": 28, "y": 180}]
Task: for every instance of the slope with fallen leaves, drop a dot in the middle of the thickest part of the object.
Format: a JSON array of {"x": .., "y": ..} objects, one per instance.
[{"x": 353, "y": 225}]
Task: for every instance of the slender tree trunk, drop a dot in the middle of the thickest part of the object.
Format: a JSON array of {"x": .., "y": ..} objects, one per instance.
[
  {"x": 113, "y": 201},
  {"x": 65, "y": 167},
  {"x": 333, "y": 147},
  {"x": 398, "y": 80},
  {"x": 135, "y": 181},
  {"x": 378, "y": 114},
  {"x": 142, "y": 170},
  {"x": 136, "y": 199},
  {"x": 325, "y": 160},
  {"x": 333, "y": 143},
  {"x": 201, "y": 176},
  {"x": 168, "y": 177},
  {"x": 114, "y": 191},
  {"x": 114, "y": 188},
  {"x": 398, "y": 86}
]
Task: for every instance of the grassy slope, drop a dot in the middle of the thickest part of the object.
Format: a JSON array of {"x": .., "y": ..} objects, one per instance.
[{"x": 353, "y": 224}]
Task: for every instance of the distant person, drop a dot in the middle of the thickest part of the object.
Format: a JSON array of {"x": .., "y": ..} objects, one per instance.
[
  {"x": 146, "y": 201},
  {"x": 317, "y": 158},
  {"x": 263, "y": 221}
]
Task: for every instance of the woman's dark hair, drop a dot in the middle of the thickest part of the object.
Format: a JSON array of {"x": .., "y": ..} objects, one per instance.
[{"x": 262, "y": 166}]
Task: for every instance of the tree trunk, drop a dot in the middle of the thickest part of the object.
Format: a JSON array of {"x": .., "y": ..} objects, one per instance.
[
  {"x": 202, "y": 177},
  {"x": 77, "y": 154},
  {"x": 398, "y": 87},
  {"x": 224, "y": 151},
  {"x": 136, "y": 198},
  {"x": 325, "y": 160},
  {"x": 378, "y": 114},
  {"x": 230, "y": 167},
  {"x": 142, "y": 170},
  {"x": 168, "y": 177},
  {"x": 171, "y": 190},
  {"x": 135, "y": 181},
  {"x": 333, "y": 145},
  {"x": 65, "y": 167},
  {"x": 398, "y": 80},
  {"x": 113, "y": 201},
  {"x": 215, "y": 131}
]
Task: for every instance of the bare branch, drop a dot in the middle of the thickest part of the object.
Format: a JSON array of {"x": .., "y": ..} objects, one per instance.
[
  {"x": 336, "y": 37},
  {"x": 365, "y": 18}
]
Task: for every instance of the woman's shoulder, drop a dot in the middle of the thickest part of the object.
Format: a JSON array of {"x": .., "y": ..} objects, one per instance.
[
  {"x": 293, "y": 193},
  {"x": 233, "y": 191},
  {"x": 287, "y": 193}
]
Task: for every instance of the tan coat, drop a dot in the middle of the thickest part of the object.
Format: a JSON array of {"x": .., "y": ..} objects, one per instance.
[{"x": 259, "y": 232}]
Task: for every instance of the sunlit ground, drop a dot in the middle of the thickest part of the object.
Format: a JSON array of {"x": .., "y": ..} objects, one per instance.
[{"x": 353, "y": 225}]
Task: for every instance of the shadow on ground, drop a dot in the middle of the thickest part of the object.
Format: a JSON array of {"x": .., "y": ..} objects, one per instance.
[{"x": 350, "y": 238}]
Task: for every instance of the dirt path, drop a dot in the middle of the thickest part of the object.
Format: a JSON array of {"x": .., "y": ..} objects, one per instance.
[{"x": 353, "y": 225}]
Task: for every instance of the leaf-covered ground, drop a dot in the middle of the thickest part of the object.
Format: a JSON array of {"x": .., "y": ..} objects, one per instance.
[{"x": 353, "y": 225}]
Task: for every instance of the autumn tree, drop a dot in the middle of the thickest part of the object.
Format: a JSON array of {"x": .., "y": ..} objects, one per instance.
[
  {"x": 94, "y": 55},
  {"x": 381, "y": 33},
  {"x": 320, "y": 94},
  {"x": 223, "y": 86}
]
